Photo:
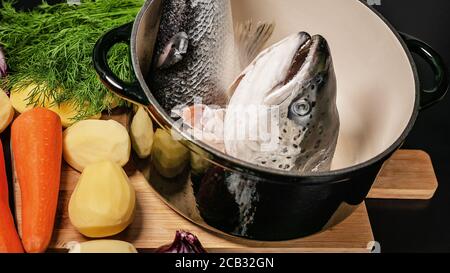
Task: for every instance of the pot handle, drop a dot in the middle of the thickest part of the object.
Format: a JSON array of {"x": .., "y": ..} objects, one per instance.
[
  {"x": 429, "y": 96},
  {"x": 128, "y": 91}
]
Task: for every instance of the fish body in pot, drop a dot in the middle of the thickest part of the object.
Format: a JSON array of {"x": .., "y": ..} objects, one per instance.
[
  {"x": 193, "y": 53},
  {"x": 282, "y": 113}
]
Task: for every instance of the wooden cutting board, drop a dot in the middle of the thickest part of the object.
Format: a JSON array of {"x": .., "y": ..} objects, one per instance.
[
  {"x": 155, "y": 225},
  {"x": 408, "y": 175}
]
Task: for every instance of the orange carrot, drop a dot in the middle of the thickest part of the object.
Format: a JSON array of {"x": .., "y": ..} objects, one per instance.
[
  {"x": 3, "y": 182},
  {"x": 36, "y": 138},
  {"x": 9, "y": 239}
]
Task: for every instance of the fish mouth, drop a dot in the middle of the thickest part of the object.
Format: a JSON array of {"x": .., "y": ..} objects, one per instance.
[
  {"x": 299, "y": 58},
  {"x": 311, "y": 58}
]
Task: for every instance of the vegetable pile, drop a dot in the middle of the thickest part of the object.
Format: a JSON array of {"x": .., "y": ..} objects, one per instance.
[
  {"x": 103, "y": 202},
  {"x": 52, "y": 85},
  {"x": 51, "y": 47}
]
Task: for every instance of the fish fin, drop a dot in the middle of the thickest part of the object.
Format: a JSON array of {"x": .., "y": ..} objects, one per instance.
[
  {"x": 232, "y": 88},
  {"x": 174, "y": 51},
  {"x": 251, "y": 38},
  {"x": 250, "y": 41}
]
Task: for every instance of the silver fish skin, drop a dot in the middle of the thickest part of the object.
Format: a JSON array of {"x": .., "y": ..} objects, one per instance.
[
  {"x": 293, "y": 86},
  {"x": 193, "y": 53}
]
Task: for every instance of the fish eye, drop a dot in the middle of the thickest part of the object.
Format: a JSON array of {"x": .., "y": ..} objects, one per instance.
[{"x": 301, "y": 107}]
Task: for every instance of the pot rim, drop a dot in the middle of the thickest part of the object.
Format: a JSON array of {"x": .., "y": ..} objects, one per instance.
[{"x": 238, "y": 165}]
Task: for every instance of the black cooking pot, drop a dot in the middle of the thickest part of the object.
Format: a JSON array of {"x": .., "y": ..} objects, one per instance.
[{"x": 379, "y": 98}]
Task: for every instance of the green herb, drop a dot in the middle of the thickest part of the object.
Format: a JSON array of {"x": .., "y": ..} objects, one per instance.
[{"x": 52, "y": 47}]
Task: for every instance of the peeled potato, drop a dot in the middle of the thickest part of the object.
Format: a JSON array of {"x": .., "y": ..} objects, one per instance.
[
  {"x": 20, "y": 95},
  {"x": 91, "y": 141},
  {"x": 101, "y": 246},
  {"x": 199, "y": 162},
  {"x": 141, "y": 133},
  {"x": 67, "y": 111},
  {"x": 103, "y": 201},
  {"x": 169, "y": 156},
  {"x": 6, "y": 111}
]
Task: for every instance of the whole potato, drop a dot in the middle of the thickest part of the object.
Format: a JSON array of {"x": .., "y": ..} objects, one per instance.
[
  {"x": 91, "y": 141},
  {"x": 6, "y": 111}
]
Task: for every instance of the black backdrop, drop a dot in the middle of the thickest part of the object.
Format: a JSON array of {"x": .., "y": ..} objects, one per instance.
[
  {"x": 413, "y": 226},
  {"x": 417, "y": 225}
]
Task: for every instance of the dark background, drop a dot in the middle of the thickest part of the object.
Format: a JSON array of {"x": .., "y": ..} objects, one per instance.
[
  {"x": 420, "y": 226},
  {"x": 414, "y": 226}
]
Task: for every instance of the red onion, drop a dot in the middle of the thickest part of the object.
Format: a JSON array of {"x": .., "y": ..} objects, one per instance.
[
  {"x": 3, "y": 67},
  {"x": 184, "y": 242}
]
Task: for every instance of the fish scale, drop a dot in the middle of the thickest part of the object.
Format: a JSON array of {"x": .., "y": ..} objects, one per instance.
[{"x": 203, "y": 69}]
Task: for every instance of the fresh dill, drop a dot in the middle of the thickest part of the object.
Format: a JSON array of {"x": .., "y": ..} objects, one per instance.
[{"x": 52, "y": 46}]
